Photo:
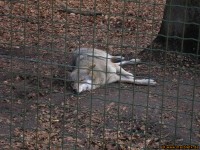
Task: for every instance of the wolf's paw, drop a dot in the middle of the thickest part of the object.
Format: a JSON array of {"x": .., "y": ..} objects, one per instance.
[
  {"x": 152, "y": 82},
  {"x": 135, "y": 60}
]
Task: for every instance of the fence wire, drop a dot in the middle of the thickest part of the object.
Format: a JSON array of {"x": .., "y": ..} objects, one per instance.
[{"x": 40, "y": 110}]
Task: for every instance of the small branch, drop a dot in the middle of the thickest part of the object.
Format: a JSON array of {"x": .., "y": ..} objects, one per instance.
[{"x": 84, "y": 13}]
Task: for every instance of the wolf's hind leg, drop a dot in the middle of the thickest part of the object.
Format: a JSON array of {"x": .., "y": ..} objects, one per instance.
[
  {"x": 123, "y": 72},
  {"x": 117, "y": 78},
  {"x": 117, "y": 59},
  {"x": 128, "y": 62},
  {"x": 111, "y": 78}
]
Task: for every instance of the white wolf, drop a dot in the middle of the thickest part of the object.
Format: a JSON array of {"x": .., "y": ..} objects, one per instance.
[{"x": 94, "y": 68}]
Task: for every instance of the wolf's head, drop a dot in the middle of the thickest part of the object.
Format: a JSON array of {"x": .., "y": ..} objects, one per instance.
[{"x": 82, "y": 78}]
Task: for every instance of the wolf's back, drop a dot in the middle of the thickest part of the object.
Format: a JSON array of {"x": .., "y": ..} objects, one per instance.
[{"x": 90, "y": 52}]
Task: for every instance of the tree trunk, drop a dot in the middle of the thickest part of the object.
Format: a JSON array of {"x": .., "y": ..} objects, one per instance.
[{"x": 180, "y": 29}]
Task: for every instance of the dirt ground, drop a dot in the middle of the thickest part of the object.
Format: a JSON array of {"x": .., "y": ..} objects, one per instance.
[{"x": 40, "y": 111}]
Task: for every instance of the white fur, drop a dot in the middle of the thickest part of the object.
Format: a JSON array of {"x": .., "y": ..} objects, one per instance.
[
  {"x": 116, "y": 72},
  {"x": 85, "y": 86},
  {"x": 143, "y": 81}
]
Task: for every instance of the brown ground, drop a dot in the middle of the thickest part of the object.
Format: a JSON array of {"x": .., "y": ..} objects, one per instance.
[{"x": 38, "y": 108}]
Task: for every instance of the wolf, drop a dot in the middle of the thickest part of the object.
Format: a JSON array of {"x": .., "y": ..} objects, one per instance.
[{"x": 93, "y": 68}]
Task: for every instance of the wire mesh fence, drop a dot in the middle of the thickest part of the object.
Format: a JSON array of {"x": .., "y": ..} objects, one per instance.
[{"x": 40, "y": 110}]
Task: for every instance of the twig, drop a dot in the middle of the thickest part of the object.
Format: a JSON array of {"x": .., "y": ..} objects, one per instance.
[{"x": 76, "y": 11}]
